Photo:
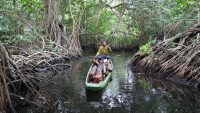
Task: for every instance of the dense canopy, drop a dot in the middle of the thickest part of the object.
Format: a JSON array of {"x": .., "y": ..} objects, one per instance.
[{"x": 42, "y": 35}]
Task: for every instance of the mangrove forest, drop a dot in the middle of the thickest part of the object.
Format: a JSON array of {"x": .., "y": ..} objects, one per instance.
[{"x": 99, "y": 56}]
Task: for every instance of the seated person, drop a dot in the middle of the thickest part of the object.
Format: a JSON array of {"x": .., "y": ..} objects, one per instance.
[{"x": 104, "y": 51}]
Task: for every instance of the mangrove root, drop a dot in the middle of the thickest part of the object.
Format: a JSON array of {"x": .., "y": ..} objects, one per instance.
[{"x": 176, "y": 58}]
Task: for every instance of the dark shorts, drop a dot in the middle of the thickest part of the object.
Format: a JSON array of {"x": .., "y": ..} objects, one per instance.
[{"x": 103, "y": 57}]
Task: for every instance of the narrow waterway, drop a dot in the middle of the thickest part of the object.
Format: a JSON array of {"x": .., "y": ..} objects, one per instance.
[{"x": 126, "y": 93}]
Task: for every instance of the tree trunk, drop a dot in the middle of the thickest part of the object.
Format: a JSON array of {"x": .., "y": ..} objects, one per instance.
[{"x": 54, "y": 32}]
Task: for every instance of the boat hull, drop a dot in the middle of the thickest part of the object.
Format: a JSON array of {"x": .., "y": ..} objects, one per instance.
[{"x": 97, "y": 86}]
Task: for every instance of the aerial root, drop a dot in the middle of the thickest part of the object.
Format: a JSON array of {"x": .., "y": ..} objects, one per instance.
[{"x": 176, "y": 57}]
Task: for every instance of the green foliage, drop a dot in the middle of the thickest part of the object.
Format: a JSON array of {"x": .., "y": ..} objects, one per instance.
[
  {"x": 144, "y": 16},
  {"x": 16, "y": 38},
  {"x": 16, "y": 19},
  {"x": 146, "y": 48},
  {"x": 184, "y": 9},
  {"x": 122, "y": 25},
  {"x": 101, "y": 22},
  {"x": 31, "y": 6},
  {"x": 144, "y": 84}
]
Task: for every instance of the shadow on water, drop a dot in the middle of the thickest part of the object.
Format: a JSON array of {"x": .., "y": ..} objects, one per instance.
[{"x": 126, "y": 93}]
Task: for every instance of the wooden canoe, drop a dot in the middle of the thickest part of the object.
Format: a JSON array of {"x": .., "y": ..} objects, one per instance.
[{"x": 98, "y": 86}]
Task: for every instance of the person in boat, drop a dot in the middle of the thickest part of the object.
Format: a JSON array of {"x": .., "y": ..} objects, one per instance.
[
  {"x": 104, "y": 54},
  {"x": 101, "y": 68},
  {"x": 104, "y": 51}
]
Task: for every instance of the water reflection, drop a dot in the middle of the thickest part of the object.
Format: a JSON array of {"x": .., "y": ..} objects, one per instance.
[
  {"x": 94, "y": 96},
  {"x": 186, "y": 97},
  {"x": 124, "y": 94}
]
